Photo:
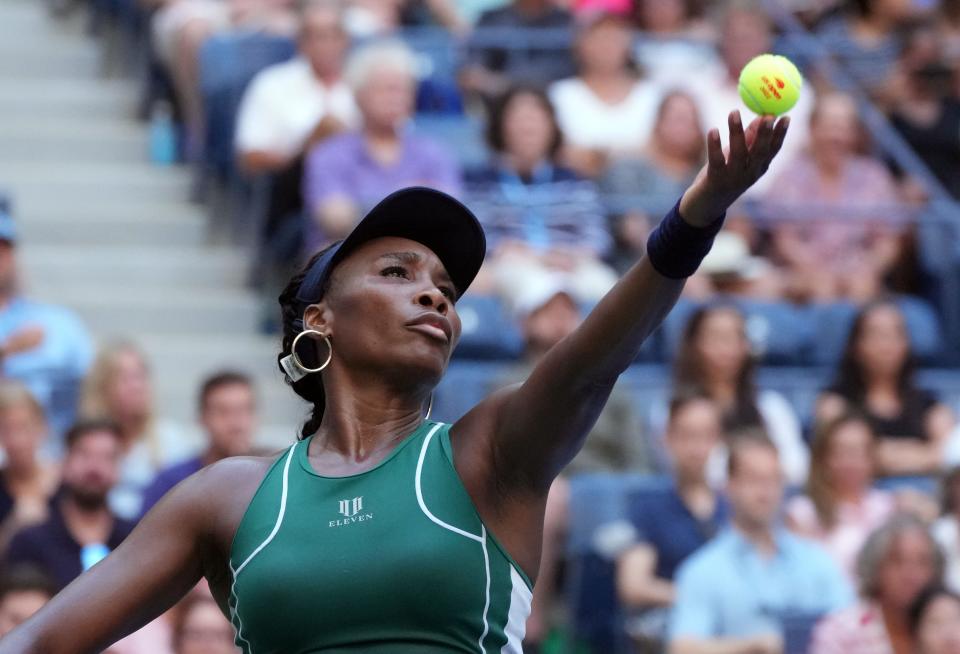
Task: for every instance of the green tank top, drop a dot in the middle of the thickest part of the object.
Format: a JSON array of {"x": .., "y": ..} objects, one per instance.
[{"x": 391, "y": 560}]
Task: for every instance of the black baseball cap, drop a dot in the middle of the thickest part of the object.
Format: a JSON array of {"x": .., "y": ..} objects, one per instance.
[{"x": 425, "y": 215}]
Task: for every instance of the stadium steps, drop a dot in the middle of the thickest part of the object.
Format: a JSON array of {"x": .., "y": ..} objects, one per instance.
[
  {"x": 114, "y": 226},
  {"x": 140, "y": 269},
  {"x": 112, "y": 236},
  {"x": 86, "y": 139},
  {"x": 67, "y": 98}
]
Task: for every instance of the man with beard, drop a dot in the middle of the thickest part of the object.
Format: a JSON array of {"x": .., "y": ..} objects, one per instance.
[{"x": 80, "y": 530}]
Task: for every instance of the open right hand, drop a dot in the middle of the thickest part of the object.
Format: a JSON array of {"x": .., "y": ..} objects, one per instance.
[{"x": 728, "y": 174}]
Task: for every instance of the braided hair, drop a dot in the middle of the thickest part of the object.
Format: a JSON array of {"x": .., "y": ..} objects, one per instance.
[{"x": 309, "y": 387}]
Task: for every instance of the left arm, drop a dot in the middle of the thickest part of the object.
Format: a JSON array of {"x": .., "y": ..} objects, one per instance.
[{"x": 522, "y": 437}]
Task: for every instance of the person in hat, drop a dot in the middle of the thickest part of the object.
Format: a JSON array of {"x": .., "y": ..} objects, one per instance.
[
  {"x": 44, "y": 346},
  {"x": 731, "y": 269},
  {"x": 548, "y": 310},
  {"x": 380, "y": 530}
]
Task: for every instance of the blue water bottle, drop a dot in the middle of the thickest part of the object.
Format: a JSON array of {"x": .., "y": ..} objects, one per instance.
[
  {"x": 91, "y": 555},
  {"x": 163, "y": 135}
]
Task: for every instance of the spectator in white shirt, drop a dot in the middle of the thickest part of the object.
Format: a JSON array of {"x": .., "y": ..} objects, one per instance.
[
  {"x": 607, "y": 109},
  {"x": 293, "y": 105},
  {"x": 179, "y": 28}
]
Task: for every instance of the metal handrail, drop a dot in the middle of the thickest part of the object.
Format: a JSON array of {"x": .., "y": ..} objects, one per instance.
[{"x": 889, "y": 140}]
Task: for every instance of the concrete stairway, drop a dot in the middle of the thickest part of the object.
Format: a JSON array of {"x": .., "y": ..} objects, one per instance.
[{"x": 110, "y": 235}]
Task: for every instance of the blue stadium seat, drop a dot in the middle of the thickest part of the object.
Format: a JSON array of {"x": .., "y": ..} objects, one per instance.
[
  {"x": 227, "y": 64},
  {"x": 597, "y": 500},
  {"x": 798, "y": 631},
  {"x": 832, "y": 323},
  {"x": 464, "y": 385},
  {"x": 489, "y": 331},
  {"x": 459, "y": 134},
  {"x": 925, "y": 485},
  {"x": 944, "y": 382},
  {"x": 800, "y": 385},
  {"x": 926, "y": 335},
  {"x": 438, "y": 55},
  {"x": 779, "y": 332}
]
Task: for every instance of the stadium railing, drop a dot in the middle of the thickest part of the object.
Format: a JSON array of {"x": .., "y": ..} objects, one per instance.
[{"x": 940, "y": 222}]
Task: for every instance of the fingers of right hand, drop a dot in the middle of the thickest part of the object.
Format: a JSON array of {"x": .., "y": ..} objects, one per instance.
[
  {"x": 715, "y": 158},
  {"x": 738, "y": 140},
  {"x": 779, "y": 134}
]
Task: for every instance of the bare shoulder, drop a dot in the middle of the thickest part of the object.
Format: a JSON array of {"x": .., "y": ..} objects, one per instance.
[
  {"x": 239, "y": 469},
  {"x": 216, "y": 497},
  {"x": 229, "y": 484},
  {"x": 233, "y": 477}
]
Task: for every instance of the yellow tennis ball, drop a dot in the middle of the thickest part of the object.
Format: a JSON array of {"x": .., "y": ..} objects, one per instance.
[{"x": 770, "y": 84}]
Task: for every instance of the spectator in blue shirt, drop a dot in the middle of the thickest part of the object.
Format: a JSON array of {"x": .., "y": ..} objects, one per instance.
[
  {"x": 44, "y": 346},
  {"x": 672, "y": 522},
  {"x": 228, "y": 415},
  {"x": 675, "y": 521},
  {"x": 739, "y": 592}
]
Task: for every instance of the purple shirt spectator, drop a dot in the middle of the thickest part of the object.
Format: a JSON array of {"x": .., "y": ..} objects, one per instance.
[
  {"x": 51, "y": 547},
  {"x": 343, "y": 168},
  {"x": 836, "y": 222},
  {"x": 167, "y": 479}
]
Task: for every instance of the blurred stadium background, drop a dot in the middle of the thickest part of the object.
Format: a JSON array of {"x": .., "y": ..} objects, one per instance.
[{"x": 136, "y": 201}]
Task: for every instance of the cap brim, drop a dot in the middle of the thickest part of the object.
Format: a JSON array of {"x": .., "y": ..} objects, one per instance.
[{"x": 433, "y": 218}]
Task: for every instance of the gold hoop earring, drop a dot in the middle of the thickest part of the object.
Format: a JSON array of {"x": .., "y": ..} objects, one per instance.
[
  {"x": 296, "y": 357},
  {"x": 293, "y": 366}
]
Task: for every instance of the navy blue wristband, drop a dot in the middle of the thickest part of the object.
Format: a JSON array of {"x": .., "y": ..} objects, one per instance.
[{"x": 676, "y": 248}]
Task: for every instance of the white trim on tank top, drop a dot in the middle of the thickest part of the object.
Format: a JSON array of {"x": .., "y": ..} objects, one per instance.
[
  {"x": 276, "y": 528},
  {"x": 520, "y": 599},
  {"x": 482, "y": 538}
]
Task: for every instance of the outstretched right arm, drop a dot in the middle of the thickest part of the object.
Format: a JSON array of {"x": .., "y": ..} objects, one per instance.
[{"x": 161, "y": 560}]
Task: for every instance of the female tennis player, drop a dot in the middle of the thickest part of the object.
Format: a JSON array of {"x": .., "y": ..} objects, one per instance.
[{"x": 381, "y": 531}]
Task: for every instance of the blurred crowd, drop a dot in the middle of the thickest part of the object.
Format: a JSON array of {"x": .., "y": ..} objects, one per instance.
[
  {"x": 590, "y": 134},
  {"x": 743, "y": 523},
  {"x": 571, "y": 126}
]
